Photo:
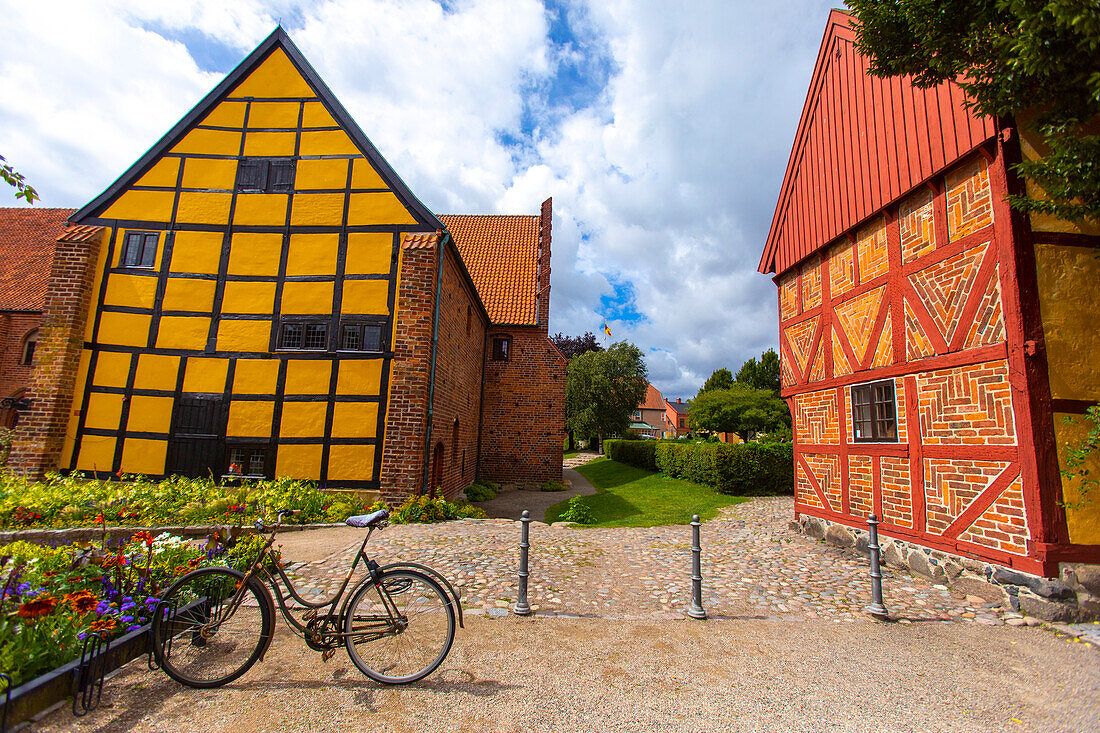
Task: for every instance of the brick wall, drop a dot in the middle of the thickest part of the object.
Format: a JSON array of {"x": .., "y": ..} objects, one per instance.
[
  {"x": 15, "y": 377},
  {"x": 41, "y": 434},
  {"x": 459, "y": 366}
]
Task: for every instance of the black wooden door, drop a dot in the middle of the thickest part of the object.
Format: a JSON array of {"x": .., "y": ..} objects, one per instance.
[{"x": 196, "y": 445}]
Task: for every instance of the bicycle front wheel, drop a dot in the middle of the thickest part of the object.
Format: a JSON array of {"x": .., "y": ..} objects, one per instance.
[
  {"x": 208, "y": 629},
  {"x": 400, "y": 628}
]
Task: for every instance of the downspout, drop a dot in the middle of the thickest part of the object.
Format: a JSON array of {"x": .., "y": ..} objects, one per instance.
[
  {"x": 431, "y": 368},
  {"x": 481, "y": 400}
]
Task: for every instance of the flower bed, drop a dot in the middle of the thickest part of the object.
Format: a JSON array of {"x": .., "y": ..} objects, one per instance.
[{"x": 74, "y": 500}]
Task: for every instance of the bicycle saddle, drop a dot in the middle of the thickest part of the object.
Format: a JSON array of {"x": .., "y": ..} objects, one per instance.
[{"x": 368, "y": 520}]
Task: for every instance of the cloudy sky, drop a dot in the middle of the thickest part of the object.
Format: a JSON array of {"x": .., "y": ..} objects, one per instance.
[{"x": 660, "y": 128}]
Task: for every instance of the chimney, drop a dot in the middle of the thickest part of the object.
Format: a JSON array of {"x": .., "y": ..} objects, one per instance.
[
  {"x": 542, "y": 282},
  {"x": 677, "y": 400}
]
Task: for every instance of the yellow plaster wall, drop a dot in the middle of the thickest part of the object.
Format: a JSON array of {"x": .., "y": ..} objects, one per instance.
[
  {"x": 248, "y": 297},
  {"x": 377, "y": 208},
  {"x": 111, "y": 369},
  {"x": 144, "y": 456},
  {"x": 203, "y": 208},
  {"x": 365, "y": 297},
  {"x": 312, "y": 254},
  {"x": 149, "y": 415},
  {"x": 1082, "y": 511},
  {"x": 355, "y": 420},
  {"x": 255, "y": 253},
  {"x": 322, "y": 173},
  {"x": 260, "y": 209},
  {"x": 327, "y": 142},
  {"x": 97, "y": 453},
  {"x": 130, "y": 290},
  {"x": 103, "y": 411},
  {"x": 142, "y": 206},
  {"x": 197, "y": 252},
  {"x": 216, "y": 173},
  {"x": 273, "y": 114},
  {"x": 369, "y": 253},
  {"x": 226, "y": 114},
  {"x": 241, "y": 336},
  {"x": 317, "y": 209},
  {"x": 269, "y": 143},
  {"x": 255, "y": 376},
  {"x": 97, "y": 281},
  {"x": 303, "y": 420},
  {"x": 183, "y": 332},
  {"x": 186, "y": 294},
  {"x": 275, "y": 77},
  {"x": 307, "y": 376},
  {"x": 163, "y": 173},
  {"x": 210, "y": 142},
  {"x": 1069, "y": 300},
  {"x": 77, "y": 407},
  {"x": 205, "y": 375},
  {"x": 250, "y": 419},
  {"x": 156, "y": 371},
  {"x": 124, "y": 329},
  {"x": 301, "y": 298},
  {"x": 363, "y": 175},
  {"x": 298, "y": 461},
  {"x": 314, "y": 114},
  {"x": 350, "y": 462},
  {"x": 359, "y": 377}
]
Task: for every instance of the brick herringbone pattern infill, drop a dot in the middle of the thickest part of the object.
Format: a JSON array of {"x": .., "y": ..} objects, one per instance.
[
  {"x": 860, "y": 486},
  {"x": 884, "y": 352},
  {"x": 918, "y": 232},
  {"x": 786, "y": 373},
  {"x": 840, "y": 361},
  {"x": 917, "y": 343},
  {"x": 1003, "y": 526},
  {"x": 826, "y": 470},
  {"x": 800, "y": 336},
  {"x": 969, "y": 199},
  {"x": 952, "y": 484},
  {"x": 842, "y": 269},
  {"x": 857, "y": 316},
  {"x": 804, "y": 490},
  {"x": 788, "y": 296},
  {"x": 871, "y": 250},
  {"x": 897, "y": 500},
  {"x": 989, "y": 324},
  {"x": 967, "y": 405},
  {"x": 817, "y": 372},
  {"x": 945, "y": 286},
  {"x": 811, "y": 286},
  {"x": 815, "y": 418}
]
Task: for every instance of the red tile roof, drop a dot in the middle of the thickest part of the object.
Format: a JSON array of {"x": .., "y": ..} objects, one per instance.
[
  {"x": 501, "y": 253},
  {"x": 420, "y": 241},
  {"x": 653, "y": 399},
  {"x": 27, "y": 237}
]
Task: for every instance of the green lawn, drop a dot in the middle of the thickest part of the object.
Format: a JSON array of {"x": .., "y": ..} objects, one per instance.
[
  {"x": 569, "y": 455},
  {"x": 633, "y": 497}
]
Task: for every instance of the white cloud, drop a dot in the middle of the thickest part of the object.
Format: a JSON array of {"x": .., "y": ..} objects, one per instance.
[{"x": 666, "y": 178}]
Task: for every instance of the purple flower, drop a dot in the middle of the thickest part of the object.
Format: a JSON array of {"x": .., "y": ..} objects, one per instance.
[
  {"x": 102, "y": 608},
  {"x": 127, "y": 606},
  {"x": 125, "y": 619},
  {"x": 22, "y": 588},
  {"x": 133, "y": 627}
]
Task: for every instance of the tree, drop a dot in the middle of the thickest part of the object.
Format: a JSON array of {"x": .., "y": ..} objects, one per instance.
[
  {"x": 1035, "y": 59},
  {"x": 603, "y": 389},
  {"x": 719, "y": 379},
  {"x": 570, "y": 346},
  {"x": 763, "y": 374},
  {"x": 15, "y": 179},
  {"x": 741, "y": 409}
]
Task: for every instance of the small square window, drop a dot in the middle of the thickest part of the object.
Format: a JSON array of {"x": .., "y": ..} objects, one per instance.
[
  {"x": 361, "y": 337},
  {"x": 502, "y": 345},
  {"x": 247, "y": 460},
  {"x": 139, "y": 249},
  {"x": 874, "y": 414},
  {"x": 316, "y": 336},
  {"x": 291, "y": 337}
]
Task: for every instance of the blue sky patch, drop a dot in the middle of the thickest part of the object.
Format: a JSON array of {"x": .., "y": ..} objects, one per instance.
[
  {"x": 210, "y": 54},
  {"x": 621, "y": 305}
]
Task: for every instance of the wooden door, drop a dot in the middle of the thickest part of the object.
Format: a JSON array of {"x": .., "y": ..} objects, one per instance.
[{"x": 195, "y": 448}]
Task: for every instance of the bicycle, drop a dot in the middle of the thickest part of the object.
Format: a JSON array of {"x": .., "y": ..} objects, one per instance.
[{"x": 397, "y": 624}]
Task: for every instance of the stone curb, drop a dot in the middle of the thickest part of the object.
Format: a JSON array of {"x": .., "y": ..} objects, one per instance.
[{"x": 86, "y": 534}]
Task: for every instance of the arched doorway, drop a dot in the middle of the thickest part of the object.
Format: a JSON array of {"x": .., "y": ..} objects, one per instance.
[{"x": 437, "y": 467}]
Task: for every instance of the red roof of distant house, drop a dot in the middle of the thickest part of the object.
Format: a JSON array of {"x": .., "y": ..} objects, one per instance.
[
  {"x": 653, "y": 399},
  {"x": 501, "y": 253},
  {"x": 27, "y": 237}
]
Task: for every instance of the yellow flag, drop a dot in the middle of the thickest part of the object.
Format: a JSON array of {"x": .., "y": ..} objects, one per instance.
[{"x": 606, "y": 329}]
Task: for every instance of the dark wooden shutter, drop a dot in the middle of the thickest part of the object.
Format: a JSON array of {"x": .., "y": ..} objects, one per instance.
[
  {"x": 195, "y": 447},
  {"x": 251, "y": 174},
  {"x": 282, "y": 176}
]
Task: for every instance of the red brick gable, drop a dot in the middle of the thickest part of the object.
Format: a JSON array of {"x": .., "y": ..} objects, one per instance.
[
  {"x": 27, "y": 238},
  {"x": 501, "y": 253}
]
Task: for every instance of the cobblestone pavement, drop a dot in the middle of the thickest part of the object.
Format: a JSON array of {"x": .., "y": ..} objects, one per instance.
[
  {"x": 580, "y": 459},
  {"x": 754, "y": 566}
]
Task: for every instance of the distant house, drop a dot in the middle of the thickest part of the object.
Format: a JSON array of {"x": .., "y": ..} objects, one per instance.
[
  {"x": 648, "y": 419},
  {"x": 676, "y": 418}
]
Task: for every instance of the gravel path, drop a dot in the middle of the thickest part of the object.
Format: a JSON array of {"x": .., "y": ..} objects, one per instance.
[
  {"x": 579, "y": 675},
  {"x": 510, "y": 503}
]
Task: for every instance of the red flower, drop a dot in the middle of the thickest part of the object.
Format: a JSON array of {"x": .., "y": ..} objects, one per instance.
[
  {"x": 103, "y": 624},
  {"x": 82, "y": 602},
  {"x": 99, "y": 518},
  {"x": 143, "y": 536},
  {"x": 42, "y": 605}
]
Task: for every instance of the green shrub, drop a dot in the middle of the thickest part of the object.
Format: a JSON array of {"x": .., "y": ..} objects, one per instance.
[
  {"x": 427, "y": 508},
  {"x": 638, "y": 453},
  {"x": 554, "y": 486},
  {"x": 577, "y": 511},
  {"x": 746, "y": 469},
  {"x": 481, "y": 491}
]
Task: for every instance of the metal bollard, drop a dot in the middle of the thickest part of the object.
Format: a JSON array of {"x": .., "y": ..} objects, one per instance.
[
  {"x": 695, "y": 610},
  {"x": 522, "y": 608},
  {"x": 876, "y": 609}
]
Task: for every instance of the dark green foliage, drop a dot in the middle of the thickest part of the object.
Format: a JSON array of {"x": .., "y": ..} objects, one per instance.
[
  {"x": 603, "y": 389},
  {"x": 741, "y": 409},
  {"x": 481, "y": 491},
  {"x": 763, "y": 374},
  {"x": 577, "y": 511},
  {"x": 1036, "y": 59},
  {"x": 748, "y": 469},
  {"x": 571, "y": 346},
  {"x": 719, "y": 379},
  {"x": 553, "y": 486},
  {"x": 638, "y": 453}
]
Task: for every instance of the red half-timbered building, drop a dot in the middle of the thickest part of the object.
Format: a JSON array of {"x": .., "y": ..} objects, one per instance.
[{"x": 930, "y": 336}]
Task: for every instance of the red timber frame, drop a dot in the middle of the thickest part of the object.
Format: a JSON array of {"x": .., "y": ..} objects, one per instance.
[{"x": 1030, "y": 457}]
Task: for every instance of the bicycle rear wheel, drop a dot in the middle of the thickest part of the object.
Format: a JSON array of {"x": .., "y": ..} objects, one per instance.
[
  {"x": 400, "y": 628},
  {"x": 205, "y": 634}
]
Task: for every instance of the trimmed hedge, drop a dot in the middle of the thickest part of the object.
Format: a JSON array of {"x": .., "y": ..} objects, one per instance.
[
  {"x": 638, "y": 453},
  {"x": 746, "y": 469}
]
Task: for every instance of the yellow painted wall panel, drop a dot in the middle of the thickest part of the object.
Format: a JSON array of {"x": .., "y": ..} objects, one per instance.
[
  {"x": 156, "y": 371},
  {"x": 1082, "y": 510},
  {"x": 203, "y": 208},
  {"x": 183, "y": 332},
  {"x": 144, "y": 456},
  {"x": 255, "y": 376},
  {"x": 165, "y": 172},
  {"x": 210, "y": 142},
  {"x": 250, "y": 419},
  {"x": 97, "y": 453},
  {"x": 255, "y": 254},
  {"x": 355, "y": 420},
  {"x": 269, "y": 143},
  {"x": 273, "y": 114},
  {"x": 198, "y": 252},
  {"x": 351, "y": 462},
  {"x": 124, "y": 329},
  {"x": 130, "y": 290},
  {"x": 1032, "y": 147},
  {"x": 248, "y": 297},
  {"x": 186, "y": 294},
  {"x": 142, "y": 206},
  {"x": 76, "y": 408},
  {"x": 327, "y": 142},
  {"x": 104, "y": 411},
  {"x": 359, "y": 377},
  {"x": 70, "y": 440},
  {"x": 298, "y": 461},
  {"x": 369, "y": 253},
  {"x": 317, "y": 209},
  {"x": 303, "y": 420},
  {"x": 365, "y": 297},
  {"x": 363, "y": 175},
  {"x": 1069, "y": 300},
  {"x": 305, "y": 298},
  {"x": 209, "y": 173},
  {"x": 315, "y": 115},
  {"x": 260, "y": 209},
  {"x": 226, "y": 114},
  {"x": 275, "y": 77},
  {"x": 101, "y": 264},
  {"x": 323, "y": 173},
  {"x": 205, "y": 375},
  {"x": 112, "y": 369},
  {"x": 244, "y": 336},
  {"x": 312, "y": 254},
  {"x": 377, "y": 208},
  {"x": 150, "y": 414},
  {"x": 307, "y": 376}
]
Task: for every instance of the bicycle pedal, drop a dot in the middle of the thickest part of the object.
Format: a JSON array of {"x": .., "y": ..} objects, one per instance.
[{"x": 327, "y": 654}]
